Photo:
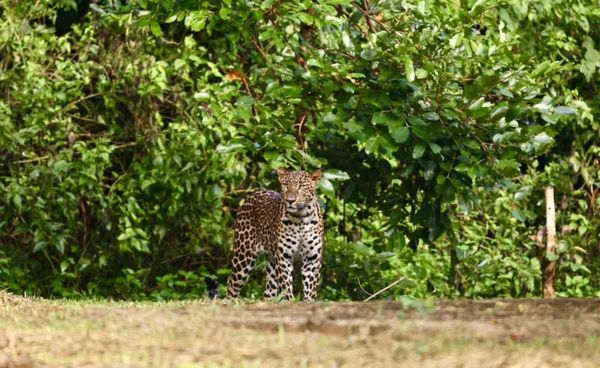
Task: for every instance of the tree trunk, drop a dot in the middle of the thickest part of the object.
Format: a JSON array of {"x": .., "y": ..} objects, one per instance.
[{"x": 550, "y": 265}]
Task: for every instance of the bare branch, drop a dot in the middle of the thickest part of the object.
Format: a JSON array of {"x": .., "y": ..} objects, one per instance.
[
  {"x": 385, "y": 288},
  {"x": 367, "y": 13}
]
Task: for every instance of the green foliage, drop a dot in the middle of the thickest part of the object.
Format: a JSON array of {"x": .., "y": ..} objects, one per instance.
[{"x": 127, "y": 143}]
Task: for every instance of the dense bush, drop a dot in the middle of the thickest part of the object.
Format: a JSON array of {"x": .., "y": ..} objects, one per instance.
[{"x": 129, "y": 137}]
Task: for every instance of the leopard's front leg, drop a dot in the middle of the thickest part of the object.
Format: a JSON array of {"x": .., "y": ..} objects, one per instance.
[
  {"x": 285, "y": 267},
  {"x": 311, "y": 270}
]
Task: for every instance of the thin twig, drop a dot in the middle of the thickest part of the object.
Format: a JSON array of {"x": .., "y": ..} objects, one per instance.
[
  {"x": 385, "y": 288},
  {"x": 81, "y": 118},
  {"x": 367, "y": 13},
  {"x": 363, "y": 289},
  {"x": 380, "y": 23},
  {"x": 73, "y": 103},
  {"x": 300, "y": 126},
  {"x": 36, "y": 159},
  {"x": 258, "y": 47},
  {"x": 125, "y": 145}
]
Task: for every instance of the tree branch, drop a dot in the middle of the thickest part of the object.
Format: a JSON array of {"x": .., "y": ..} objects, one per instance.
[{"x": 367, "y": 13}]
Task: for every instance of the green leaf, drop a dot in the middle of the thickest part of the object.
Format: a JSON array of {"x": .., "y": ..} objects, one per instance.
[
  {"x": 363, "y": 249},
  {"x": 431, "y": 116},
  {"x": 346, "y": 40},
  {"x": 518, "y": 215},
  {"x": 271, "y": 155},
  {"x": 435, "y": 148},
  {"x": 171, "y": 18},
  {"x": 508, "y": 167},
  {"x": 314, "y": 62},
  {"x": 266, "y": 4},
  {"x": 551, "y": 256},
  {"x": 424, "y": 132},
  {"x": 466, "y": 201},
  {"x": 226, "y": 148},
  {"x": 418, "y": 151},
  {"x": 224, "y": 13},
  {"x": 17, "y": 202},
  {"x": 462, "y": 252},
  {"x": 564, "y": 110},
  {"x": 421, "y": 73},
  {"x": 196, "y": 20},
  {"x": 545, "y": 105},
  {"x": 305, "y": 18},
  {"x": 245, "y": 101},
  {"x": 369, "y": 54},
  {"x": 562, "y": 247},
  {"x": 64, "y": 265},
  {"x": 39, "y": 246},
  {"x": 379, "y": 118},
  {"x": 155, "y": 29},
  {"x": 541, "y": 142},
  {"x": 326, "y": 186},
  {"x": 549, "y": 118},
  {"x": 398, "y": 130},
  {"x": 499, "y": 111},
  {"x": 416, "y": 121},
  {"x": 371, "y": 145},
  {"x": 330, "y": 118},
  {"x": 334, "y": 174},
  {"x": 523, "y": 193}
]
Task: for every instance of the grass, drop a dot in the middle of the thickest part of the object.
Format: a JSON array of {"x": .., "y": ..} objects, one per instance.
[{"x": 59, "y": 333}]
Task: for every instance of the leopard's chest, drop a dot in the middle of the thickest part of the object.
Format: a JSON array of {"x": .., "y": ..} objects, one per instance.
[{"x": 300, "y": 236}]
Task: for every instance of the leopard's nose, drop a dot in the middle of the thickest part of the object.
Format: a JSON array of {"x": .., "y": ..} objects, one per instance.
[{"x": 290, "y": 198}]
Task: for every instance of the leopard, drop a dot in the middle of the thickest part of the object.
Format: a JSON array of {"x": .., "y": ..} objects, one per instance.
[{"x": 288, "y": 227}]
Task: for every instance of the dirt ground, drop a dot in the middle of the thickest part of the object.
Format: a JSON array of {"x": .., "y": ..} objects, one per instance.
[{"x": 447, "y": 333}]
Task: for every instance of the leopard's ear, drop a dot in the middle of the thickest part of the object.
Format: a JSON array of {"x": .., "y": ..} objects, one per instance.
[
  {"x": 315, "y": 176},
  {"x": 281, "y": 174}
]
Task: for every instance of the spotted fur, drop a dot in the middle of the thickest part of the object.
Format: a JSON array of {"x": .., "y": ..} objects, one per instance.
[{"x": 286, "y": 225}]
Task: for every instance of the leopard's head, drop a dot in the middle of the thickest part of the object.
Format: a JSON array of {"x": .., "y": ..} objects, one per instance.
[{"x": 298, "y": 188}]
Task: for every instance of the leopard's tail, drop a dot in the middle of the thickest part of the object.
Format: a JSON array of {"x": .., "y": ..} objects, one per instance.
[{"x": 212, "y": 287}]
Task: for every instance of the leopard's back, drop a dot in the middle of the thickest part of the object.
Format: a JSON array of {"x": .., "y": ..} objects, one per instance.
[{"x": 258, "y": 221}]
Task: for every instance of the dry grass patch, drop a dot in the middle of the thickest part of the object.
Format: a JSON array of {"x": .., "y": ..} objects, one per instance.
[
  {"x": 7, "y": 298},
  {"x": 196, "y": 334}
]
